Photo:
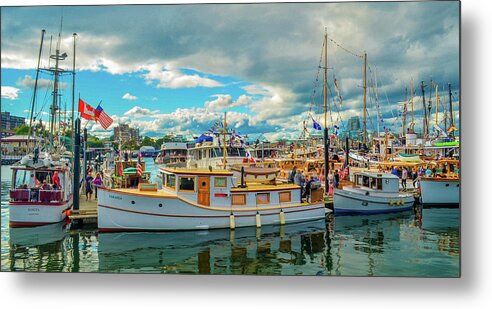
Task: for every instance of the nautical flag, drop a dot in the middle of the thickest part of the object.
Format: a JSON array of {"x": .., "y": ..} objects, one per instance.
[
  {"x": 335, "y": 129},
  {"x": 103, "y": 118},
  {"x": 338, "y": 91},
  {"x": 452, "y": 128},
  {"x": 86, "y": 111},
  {"x": 316, "y": 125},
  {"x": 250, "y": 158},
  {"x": 139, "y": 165}
]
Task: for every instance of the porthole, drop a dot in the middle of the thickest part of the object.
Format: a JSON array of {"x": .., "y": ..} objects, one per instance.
[
  {"x": 447, "y": 185},
  {"x": 204, "y": 184},
  {"x": 160, "y": 205},
  {"x": 458, "y": 185},
  {"x": 133, "y": 202}
]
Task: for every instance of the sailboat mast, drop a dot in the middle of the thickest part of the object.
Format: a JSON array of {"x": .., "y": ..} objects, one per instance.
[
  {"x": 451, "y": 109},
  {"x": 36, "y": 83},
  {"x": 325, "y": 132},
  {"x": 364, "y": 137},
  {"x": 404, "y": 124},
  {"x": 411, "y": 99},
  {"x": 424, "y": 131},
  {"x": 377, "y": 100},
  {"x": 54, "y": 106},
  {"x": 225, "y": 134},
  {"x": 73, "y": 93},
  {"x": 437, "y": 107}
]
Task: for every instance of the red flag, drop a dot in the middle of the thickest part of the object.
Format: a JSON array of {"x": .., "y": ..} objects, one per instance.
[{"x": 86, "y": 111}]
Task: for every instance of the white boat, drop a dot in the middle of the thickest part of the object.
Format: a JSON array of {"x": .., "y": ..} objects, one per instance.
[
  {"x": 194, "y": 199},
  {"x": 209, "y": 152},
  {"x": 172, "y": 154},
  {"x": 372, "y": 193},
  {"x": 30, "y": 205},
  {"x": 442, "y": 189}
]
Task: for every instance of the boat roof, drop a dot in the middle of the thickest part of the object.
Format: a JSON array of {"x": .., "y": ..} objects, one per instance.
[
  {"x": 377, "y": 175},
  {"x": 195, "y": 171},
  {"x": 259, "y": 171}
]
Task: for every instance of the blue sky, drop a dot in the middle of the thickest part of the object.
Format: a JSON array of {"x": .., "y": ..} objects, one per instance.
[{"x": 176, "y": 69}]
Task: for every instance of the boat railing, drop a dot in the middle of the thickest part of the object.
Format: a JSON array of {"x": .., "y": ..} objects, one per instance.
[{"x": 35, "y": 195}]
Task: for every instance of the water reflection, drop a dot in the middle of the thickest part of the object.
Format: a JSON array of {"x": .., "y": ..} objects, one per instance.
[{"x": 269, "y": 250}]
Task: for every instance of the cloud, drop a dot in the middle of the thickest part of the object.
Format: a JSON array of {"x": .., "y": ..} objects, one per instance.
[
  {"x": 138, "y": 112},
  {"x": 29, "y": 82},
  {"x": 10, "y": 93},
  {"x": 172, "y": 78},
  {"x": 224, "y": 101},
  {"x": 274, "y": 48},
  {"x": 128, "y": 96}
]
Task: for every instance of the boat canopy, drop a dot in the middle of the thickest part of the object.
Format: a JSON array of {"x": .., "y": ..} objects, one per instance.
[{"x": 204, "y": 138}]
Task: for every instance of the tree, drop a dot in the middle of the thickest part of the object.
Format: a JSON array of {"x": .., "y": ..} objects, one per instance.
[
  {"x": 147, "y": 141},
  {"x": 23, "y": 129}
]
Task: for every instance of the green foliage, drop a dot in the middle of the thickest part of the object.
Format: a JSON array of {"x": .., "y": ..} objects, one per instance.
[
  {"x": 147, "y": 141},
  {"x": 23, "y": 129}
]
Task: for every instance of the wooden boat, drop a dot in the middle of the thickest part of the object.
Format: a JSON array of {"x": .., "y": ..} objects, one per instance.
[
  {"x": 371, "y": 193},
  {"x": 443, "y": 188},
  {"x": 193, "y": 199}
]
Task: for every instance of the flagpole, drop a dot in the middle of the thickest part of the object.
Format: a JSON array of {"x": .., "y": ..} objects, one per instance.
[{"x": 326, "y": 141}]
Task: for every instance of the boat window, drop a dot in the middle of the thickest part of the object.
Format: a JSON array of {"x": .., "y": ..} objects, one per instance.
[
  {"x": 239, "y": 199},
  {"x": 284, "y": 197},
  {"x": 365, "y": 181},
  {"x": 219, "y": 153},
  {"x": 373, "y": 183},
  {"x": 186, "y": 183},
  {"x": 220, "y": 182},
  {"x": 263, "y": 198},
  {"x": 170, "y": 181},
  {"x": 379, "y": 184}
]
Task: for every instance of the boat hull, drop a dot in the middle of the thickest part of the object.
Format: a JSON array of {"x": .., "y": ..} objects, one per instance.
[
  {"x": 440, "y": 192},
  {"x": 25, "y": 214},
  {"x": 119, "y": 211},
  {"x": 354, "y": 203}
]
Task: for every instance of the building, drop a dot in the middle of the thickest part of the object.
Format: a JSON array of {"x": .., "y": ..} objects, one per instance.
[
  {"x": 10, "y": 123},
  {"x": 126, "y": 133},
  {"x": 353, "y": 127}
]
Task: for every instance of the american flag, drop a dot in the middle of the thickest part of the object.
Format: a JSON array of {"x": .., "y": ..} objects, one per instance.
[
  {"x": 103, "y": 118},
  {"x": 139, "y": 165}
]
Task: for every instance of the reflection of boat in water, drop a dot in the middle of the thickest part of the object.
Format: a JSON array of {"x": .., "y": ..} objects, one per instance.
[
  {"x": 209, "y": 251},
  {"x": 39, "y": 235},
  {"x": 386, "y": 226}
]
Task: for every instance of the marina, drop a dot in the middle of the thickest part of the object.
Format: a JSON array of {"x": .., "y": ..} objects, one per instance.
[{"x": 342, "y": 165}]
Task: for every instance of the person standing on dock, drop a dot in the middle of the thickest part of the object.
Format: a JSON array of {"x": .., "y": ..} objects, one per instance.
[
  {"x": 404, "y": 176},
  {"x": 97, "y": 183},
  {"x": 88, "y": 186}
]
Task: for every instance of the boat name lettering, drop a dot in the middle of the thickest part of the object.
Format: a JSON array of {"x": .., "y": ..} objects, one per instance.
[
  {"x": 115, "y": 197},
  {"x": 33, "y": 209}
]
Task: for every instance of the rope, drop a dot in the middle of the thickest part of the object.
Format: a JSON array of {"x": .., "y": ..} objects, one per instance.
[{"x": 345, "y": 49}]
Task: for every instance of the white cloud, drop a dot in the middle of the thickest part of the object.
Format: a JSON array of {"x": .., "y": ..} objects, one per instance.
[
  {"x": 10, "y": 93},
  {"x": 29, "y": 82},
  {"x": 167, "y": 77},
  {"x": 128, "y": 96},
  {"x": 224, "y": 101},
  {"x": 138, "y": 112}
]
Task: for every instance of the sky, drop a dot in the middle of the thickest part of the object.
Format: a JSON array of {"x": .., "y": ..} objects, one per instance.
[{"x": 178, "y": 68}]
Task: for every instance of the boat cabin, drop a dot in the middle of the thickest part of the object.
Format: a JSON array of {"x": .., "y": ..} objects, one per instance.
[
  {"x": 384, "y": 182},
  {"x": 40, "y": 185}
]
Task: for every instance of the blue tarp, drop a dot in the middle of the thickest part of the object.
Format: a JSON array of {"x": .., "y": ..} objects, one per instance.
[{"x": 204, "y": 138}]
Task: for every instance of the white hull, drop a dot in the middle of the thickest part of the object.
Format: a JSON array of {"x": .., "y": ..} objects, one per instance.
[
  {"x": 440, "y": 192},
  {"x": 35, "y": 214},
  {"x": 352, "y": 202},
  {"x": 116, "y": 212}
]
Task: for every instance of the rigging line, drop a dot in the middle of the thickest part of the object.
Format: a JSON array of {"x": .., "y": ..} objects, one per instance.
[{"x": 343, "y": 48}]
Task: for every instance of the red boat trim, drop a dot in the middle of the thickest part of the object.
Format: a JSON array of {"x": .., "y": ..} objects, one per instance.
[{"x": 220, "y": 195}]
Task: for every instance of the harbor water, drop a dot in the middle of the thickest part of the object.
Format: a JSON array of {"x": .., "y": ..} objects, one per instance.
[{"x": 401, "y": 244}]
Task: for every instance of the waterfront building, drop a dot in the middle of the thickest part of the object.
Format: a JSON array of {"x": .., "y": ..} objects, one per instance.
[
  {"x": 10, "y": 123},
  {"x": 126, "y": 133}
]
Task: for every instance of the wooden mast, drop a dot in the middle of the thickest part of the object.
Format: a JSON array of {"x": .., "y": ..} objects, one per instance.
[
  {"x": 36, "y": 84},
  {"x": 364, "y": 137},
  {"x": 437, "y": 108},
  {"x": 225, "y": 134},
  {"x": 325, "y": 135}
]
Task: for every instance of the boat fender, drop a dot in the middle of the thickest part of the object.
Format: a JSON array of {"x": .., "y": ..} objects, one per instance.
[
  {"x": 397, "y": 202},
  {"x": 232, "y": 222},
  {"x": 282, "y": 217},
  {"x": 258, "y": 220},
  {"x": 367, "y": 192},
  {"x": 391, "y": 202}
]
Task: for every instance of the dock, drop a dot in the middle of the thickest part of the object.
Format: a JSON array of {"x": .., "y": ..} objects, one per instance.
[{"x": 87, "y": 212}]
